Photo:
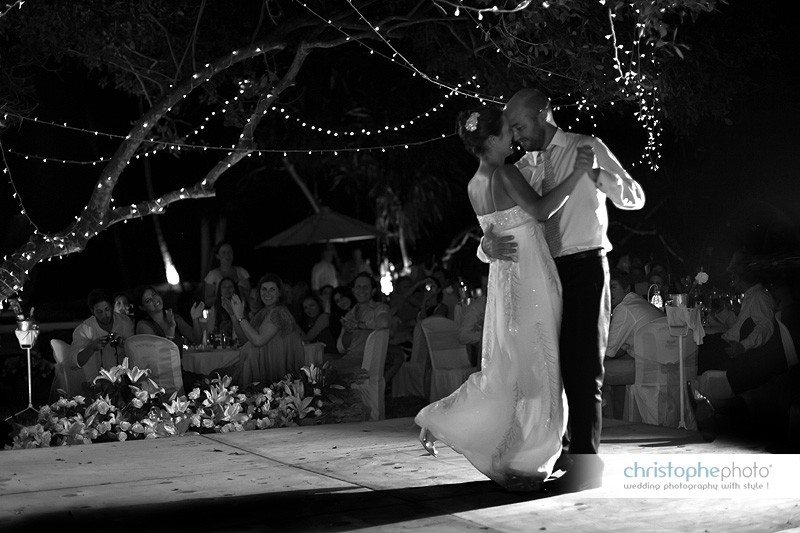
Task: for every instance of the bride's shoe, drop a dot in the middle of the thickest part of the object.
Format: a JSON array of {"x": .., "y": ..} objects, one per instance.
[{"x": 428, "y": 439}]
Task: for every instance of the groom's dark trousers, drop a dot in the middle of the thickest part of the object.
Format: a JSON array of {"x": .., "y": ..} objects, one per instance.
[{"x": 584, "y": 336}]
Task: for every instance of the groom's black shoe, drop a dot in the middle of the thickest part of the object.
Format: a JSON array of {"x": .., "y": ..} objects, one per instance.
[
  {"x": 585, "y": 473},
  {"x": 563, "y": 463},
  {"x": 703, "y": 412}
]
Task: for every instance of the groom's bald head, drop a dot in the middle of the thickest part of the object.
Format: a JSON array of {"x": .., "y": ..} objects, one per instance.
[{"x": 527, "y": 100}]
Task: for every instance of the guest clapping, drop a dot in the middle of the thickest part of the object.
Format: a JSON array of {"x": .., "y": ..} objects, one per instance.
[
  {"x": 275, "y": 345},
  {"x": 156, "y": 320},
  {"x": 220, "y": 316}
]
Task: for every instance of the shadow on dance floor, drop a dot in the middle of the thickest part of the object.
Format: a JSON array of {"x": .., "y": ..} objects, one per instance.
[{"x": 298, "y": 510}]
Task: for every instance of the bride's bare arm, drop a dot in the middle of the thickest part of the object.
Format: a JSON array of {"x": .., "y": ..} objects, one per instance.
[{"x": 543, "y": 207}]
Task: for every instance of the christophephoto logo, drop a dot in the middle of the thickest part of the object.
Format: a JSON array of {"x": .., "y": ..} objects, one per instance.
[
  {"x": 697, "y": 475},
  {"x": 700, "y": 476}
]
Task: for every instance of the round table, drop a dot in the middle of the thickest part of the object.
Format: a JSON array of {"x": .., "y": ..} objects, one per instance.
[{"x": 208, "y": 360}]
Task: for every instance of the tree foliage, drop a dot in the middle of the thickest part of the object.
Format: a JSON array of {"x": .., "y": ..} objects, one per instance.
[{"x": 185, "y": 58}]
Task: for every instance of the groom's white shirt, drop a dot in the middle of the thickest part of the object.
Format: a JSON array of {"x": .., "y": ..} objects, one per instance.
[{"x": 583, "y": 219}]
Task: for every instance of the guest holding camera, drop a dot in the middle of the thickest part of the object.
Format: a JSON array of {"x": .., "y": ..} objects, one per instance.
[{"x": 98, "y": 341}]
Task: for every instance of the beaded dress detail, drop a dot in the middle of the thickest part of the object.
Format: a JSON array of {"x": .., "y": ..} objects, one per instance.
[{"x": 508, "y": 419}]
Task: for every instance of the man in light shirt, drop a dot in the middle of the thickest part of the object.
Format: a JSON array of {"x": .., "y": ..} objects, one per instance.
[
  {"x": 324, "y": 272},
  {"x": 630, "y": 312},
  {"x": 98, "y": 342},
  {"x": 754, "y": 324},
  {"x": 576, "y": 236}
]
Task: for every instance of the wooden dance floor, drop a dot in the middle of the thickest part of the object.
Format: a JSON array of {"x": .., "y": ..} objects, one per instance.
[{"x": 340, "y": 477}]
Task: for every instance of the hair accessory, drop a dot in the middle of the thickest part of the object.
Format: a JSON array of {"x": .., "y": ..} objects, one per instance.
[{"x": 472, "y": 122}]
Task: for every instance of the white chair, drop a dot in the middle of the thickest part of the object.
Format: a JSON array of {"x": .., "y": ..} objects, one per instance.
[
  {"x": 314, "y": 352},
  {"x": 373, "y": 390},
  {"x": 67, "y": 379},
  {"x": 450, "y": 364},
  {"x": 161, "y": 356},
  {"x": 654, "y": 398},
  {"x": 412, "y": 379}
]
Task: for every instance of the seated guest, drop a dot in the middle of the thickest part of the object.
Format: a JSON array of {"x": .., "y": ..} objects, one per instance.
[
  {"x": 470, "y": 323},
  {"x": 629, "y": 313},
  {"x": 155, "y": 320},
  {"x": 275, "y": 343},
  {"x": 326, "y": 297},
  {"x": 299, "y": 292},
  {"x": 122, "y": 305},
  {"x": 316, "y": 322},
  {"x": 450, "y": 296},
  {"x": 771, "y": 411},
  {"x": 220, "y": 319},
  {"x": 254, "y": 303},
  {"x": 364, "y": 318},
  {"x": 343, "y": 301},
  {"x": 432, "y": 301},
  {"x": 223, "y": 255},
  {"x": 753, "y": 326},
  {"x": 757, "y": 366},
  {"x": 98, "y": 342}
]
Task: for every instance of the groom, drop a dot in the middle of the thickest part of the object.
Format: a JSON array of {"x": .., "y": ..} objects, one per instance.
[{"x": 576, "y": 236}]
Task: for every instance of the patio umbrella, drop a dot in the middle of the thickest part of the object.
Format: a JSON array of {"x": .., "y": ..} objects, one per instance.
[{"x": 324, "y": 226}]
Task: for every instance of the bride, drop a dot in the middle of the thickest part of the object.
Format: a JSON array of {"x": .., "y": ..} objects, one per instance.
[{"x": 508, "y": 419}]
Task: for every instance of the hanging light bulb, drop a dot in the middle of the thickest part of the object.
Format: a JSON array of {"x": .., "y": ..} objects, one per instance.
[{"x": 173, "y": 278}]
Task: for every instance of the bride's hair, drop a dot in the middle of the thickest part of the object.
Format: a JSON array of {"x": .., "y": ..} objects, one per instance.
[{"x": 476, "y": 125}]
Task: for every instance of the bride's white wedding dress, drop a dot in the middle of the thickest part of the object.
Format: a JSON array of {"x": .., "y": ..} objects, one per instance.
[{"x": 508, "y": 419}]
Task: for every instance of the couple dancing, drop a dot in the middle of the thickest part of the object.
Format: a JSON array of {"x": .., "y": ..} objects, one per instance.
[{"x": 510, "y": 419}]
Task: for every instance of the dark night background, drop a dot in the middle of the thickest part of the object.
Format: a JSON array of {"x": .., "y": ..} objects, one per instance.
[{"x": 731, "y": 181}]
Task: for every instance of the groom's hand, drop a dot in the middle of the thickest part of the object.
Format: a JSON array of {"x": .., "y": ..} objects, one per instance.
[{"x": 495, "y": 247}]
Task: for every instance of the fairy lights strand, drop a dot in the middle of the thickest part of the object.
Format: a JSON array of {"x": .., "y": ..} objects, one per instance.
[
  {"x": 259, "y": 151},
  {"x": 481, "y": 10},
  {"x": 16, "y": 195},
  {"x": 376, "y": 30},
  {"x": 396, "y": 53},
  {"x": 351, "y": 133}
]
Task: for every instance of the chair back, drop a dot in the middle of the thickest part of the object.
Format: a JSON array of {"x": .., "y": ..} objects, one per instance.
[
  {"x": 375, "y": 353},
  {"x": 65, "y": 378},
  {"x": 161, "y": 356},
  {"x": 60, "y": 350},
  {"x": 653, "y": 342},
  {"x": 419, "y": 348},
  {"x": 445, "y": 350},
  {"x": 314, "y": 352},
  {"x": 373, "y": 390}
]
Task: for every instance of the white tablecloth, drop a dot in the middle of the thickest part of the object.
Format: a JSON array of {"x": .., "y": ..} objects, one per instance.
[
  {"x": 682, "y": 319},
  {"x": 205, "y": 362}
]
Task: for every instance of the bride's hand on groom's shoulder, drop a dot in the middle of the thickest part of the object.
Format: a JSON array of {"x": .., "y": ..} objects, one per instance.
[
  {"x": 585, "y": 162},
  {"x": 585, "y": 158},
  {"x": 496, "y": 247}
]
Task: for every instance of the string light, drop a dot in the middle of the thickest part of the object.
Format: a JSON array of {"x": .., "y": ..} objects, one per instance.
[
  {"x": 480, "y": 10},
  {"x": 16, "y": 195},
  {"x": 389, "y": 128},
  {"x": 396, "y": 53}
]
